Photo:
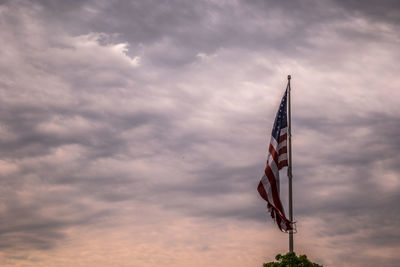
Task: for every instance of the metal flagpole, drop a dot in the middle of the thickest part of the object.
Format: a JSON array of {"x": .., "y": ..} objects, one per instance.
[{"x": 290, "y": 164}]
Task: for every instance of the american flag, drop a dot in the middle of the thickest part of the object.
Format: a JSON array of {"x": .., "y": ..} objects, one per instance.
[{"x": 276, "y": 160}]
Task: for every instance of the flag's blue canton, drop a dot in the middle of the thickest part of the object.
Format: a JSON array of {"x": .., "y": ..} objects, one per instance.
[{"x": 280, "y": 119}]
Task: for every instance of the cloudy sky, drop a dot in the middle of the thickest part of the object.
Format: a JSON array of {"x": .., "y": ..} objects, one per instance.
[{"x": 134, "y": 133}]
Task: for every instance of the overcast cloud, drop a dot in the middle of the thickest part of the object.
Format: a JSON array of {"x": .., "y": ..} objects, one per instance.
[{"x": 134, "y": 133}]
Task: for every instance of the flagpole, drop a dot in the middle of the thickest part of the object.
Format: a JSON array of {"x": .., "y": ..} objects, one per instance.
[{"x": 290, "y": 164}]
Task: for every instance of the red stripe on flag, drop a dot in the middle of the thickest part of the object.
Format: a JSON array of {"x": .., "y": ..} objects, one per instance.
[
  {"x": 282, "y": 138},
  {"x": 273, "y": 153},
  {"x": 262, "y": 191},
  {"x": 282, "y": 164},
  {"x": 275, "y": 195},
  {"x": 283, "y": 150}
]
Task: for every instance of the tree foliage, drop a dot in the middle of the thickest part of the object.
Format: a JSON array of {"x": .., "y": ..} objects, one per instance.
[{"x": 291, "y": 260}]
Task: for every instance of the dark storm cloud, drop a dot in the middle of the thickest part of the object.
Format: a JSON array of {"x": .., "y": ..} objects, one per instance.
[
  {"x": 170, "y": 34},
  {"x": 357, "y": 143},
  {"x": 385, "y": 11},
  {"x": 30, "y": 140},
  {"x": 26, "y": 226},
  {"x": 215, "y": 192}
]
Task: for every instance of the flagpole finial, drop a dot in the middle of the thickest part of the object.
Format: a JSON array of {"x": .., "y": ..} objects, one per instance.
[{"x": 289, "y": 77}]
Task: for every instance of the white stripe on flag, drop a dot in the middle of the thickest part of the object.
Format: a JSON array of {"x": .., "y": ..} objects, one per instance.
[{"x": 282, "y": 157}]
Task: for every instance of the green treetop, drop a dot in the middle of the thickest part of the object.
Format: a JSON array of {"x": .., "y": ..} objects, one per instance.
[{"x": 291, "y": 260}]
